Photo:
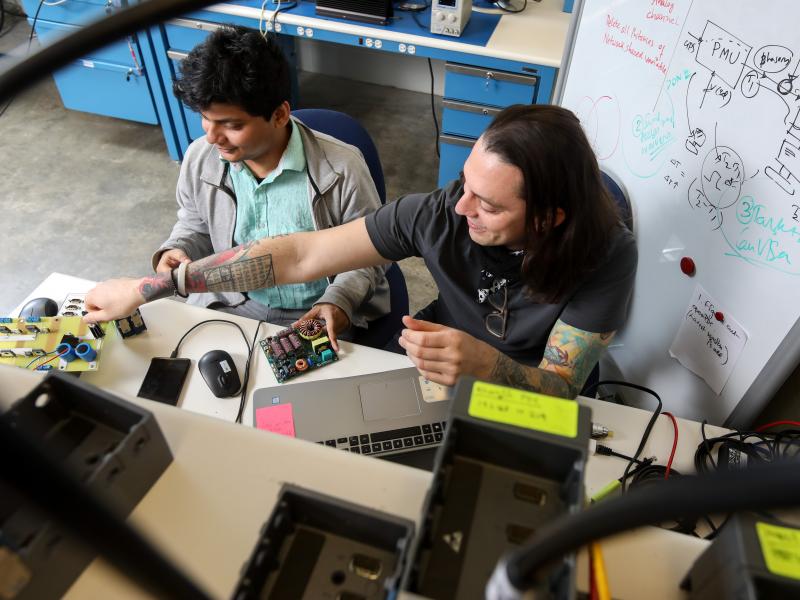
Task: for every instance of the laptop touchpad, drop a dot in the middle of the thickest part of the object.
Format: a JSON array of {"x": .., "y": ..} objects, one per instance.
[{"x": 389, "y": 399}]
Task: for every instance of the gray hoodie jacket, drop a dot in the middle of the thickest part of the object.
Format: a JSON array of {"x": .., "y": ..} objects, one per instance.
[{"x": 340, "y": 189}]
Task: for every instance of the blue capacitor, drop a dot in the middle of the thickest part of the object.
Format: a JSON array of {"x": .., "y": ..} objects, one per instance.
[
  {"x": 66, "y": 351},
  {"x": 86, "y": 352},
  {"x": 326, "y": 355}
]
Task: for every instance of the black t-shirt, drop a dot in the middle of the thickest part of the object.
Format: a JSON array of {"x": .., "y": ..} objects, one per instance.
[{"x": 426, "y": 225}]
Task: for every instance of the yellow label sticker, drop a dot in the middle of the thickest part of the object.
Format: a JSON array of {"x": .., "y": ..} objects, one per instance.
[
  {"x": 524, "y": 409},
  {"x": 781, "y": 549}
]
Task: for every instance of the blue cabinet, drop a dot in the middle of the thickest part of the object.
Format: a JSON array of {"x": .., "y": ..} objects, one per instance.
[
  {"x": 111, "y": 81},
  {"x": 472, "y": 98}
]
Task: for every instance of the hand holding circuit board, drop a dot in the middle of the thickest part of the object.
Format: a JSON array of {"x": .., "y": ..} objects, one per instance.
[{"x": 294, "y": 350}]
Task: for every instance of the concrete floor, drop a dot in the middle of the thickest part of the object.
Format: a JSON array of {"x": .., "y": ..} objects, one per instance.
[{"x": 93, "y": 196}]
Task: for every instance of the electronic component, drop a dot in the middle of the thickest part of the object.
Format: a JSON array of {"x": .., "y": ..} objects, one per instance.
[
  {"x": 378, "y": 12},
  {"x": 130, "y": 326},
  {"x": 450, "y": 17},
  {"x": 114, "y": 447},
  {"x": 752, "y": 557},
  {"x": 294, "y": 351},
  {"x": 317, "y": 546},
  {"x": 44, "y": 343},
  {"x": 487, "y": 497}
]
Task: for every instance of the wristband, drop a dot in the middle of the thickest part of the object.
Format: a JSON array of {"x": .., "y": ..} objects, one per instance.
[
  {"x": 175, "y": 283},
  {"x": 181, "y": 280}
]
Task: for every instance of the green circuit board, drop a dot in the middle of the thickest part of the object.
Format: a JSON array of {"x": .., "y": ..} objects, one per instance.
[{"x": 294, "y": 351}]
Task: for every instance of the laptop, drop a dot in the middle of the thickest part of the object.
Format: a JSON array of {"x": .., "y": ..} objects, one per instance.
[{"x": 387, "y": 413}]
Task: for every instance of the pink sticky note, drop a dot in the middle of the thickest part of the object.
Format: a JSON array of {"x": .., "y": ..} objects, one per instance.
[{"x": 277, "y": 419}]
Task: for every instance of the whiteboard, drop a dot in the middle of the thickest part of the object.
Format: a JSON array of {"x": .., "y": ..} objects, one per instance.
[{"x": 694, "y": 106}]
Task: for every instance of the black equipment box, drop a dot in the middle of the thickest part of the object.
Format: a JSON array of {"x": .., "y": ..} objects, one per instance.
[
  {"x": 315, "y": 546},
  {"x": 114, "y": 447},
  {"x": 752, "y": 558},
  {"x": 510, "y": 461},
  {"x": 377, "y": 12}
]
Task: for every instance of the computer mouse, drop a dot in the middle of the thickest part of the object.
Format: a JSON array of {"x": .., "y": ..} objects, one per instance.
[
  {"x": 39, "y": 307},
  {"x": 219, "y": 371}
]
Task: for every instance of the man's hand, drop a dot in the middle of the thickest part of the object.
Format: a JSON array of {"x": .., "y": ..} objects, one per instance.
[
  {"x": 442, "y": 354},
  {"x": 336, "y": 320},
  {"x": 172, "y": 259},
  {"x": 113, "y": 299}
]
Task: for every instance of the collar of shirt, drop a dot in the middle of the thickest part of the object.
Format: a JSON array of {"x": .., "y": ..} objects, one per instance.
[{"x": 293, "y": 158}]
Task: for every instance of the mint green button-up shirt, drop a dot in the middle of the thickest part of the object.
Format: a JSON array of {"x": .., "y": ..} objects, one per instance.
[{"x": 276, "y": 206}]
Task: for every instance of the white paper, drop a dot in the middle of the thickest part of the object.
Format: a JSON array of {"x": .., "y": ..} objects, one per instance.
[{"x": 708, "y": 347}]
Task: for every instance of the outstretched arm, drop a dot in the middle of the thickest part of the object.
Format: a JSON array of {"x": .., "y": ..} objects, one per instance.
[{"x": 264, "y": 263}]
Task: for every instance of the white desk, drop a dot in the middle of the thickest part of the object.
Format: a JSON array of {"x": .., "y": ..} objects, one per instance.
[
  {"x": 123, "y": 363},
  {"x": 206, "y": 510}
]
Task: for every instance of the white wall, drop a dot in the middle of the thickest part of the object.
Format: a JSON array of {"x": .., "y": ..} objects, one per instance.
[{"x": 371, "y": 66}]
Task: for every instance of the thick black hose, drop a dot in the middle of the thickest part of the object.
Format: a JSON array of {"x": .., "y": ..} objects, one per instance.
[
  {"x": 52, "y": 57},
  {"x": 38, "y": 477},
  {"x": 760, "y": 487}
]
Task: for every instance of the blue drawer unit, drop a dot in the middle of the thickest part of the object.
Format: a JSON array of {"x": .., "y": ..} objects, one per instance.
[
  {"x": 191, "y": 118},
  {"x": 453, "y": 153},
  {"x": 488, "y": 86},
  {"x": 108, "y": 82},
  {"x": 466, "y": 119},
  {"x": 106, "y": 89},
  {"x": 74, "y": 12}
]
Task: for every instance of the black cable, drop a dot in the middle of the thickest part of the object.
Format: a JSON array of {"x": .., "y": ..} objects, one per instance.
[
  {"x": 250, "y": 348},
  {"x": 33, "y": 25},
  {"x": 606, "y": 451},
  {"x": 433, "y": 107},
  {"x": 247, "y": 373},
  {"x": 648, "y": 428},
  {"x": 86, "y": 39},
  {"x": 764, "y": 487},
  {"x": 288, "y": 6},
  {"x": 40, "y": 477}
]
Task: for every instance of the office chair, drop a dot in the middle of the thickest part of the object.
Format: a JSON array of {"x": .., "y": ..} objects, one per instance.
[
  {"x": 626, "y": 215},
  {"x": 345, "y": 128}
]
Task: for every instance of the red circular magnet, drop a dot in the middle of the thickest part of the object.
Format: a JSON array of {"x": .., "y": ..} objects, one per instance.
[
  {"x": 719, "y": 316},
  {"x": 687, "y": 266}
]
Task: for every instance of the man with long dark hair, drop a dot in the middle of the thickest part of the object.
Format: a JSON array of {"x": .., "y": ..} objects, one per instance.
[
  {"x": 534, "y": 266},
  {"x": 259, "y": 172}
]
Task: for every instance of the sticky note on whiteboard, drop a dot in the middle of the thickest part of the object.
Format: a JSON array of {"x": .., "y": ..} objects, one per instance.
[
  {"x": 277, "y": 418},
  {"x": 708, "y": 347}
]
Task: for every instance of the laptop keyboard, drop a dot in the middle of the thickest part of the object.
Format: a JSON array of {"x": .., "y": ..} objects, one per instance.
[{"x": 390, "y": 441}]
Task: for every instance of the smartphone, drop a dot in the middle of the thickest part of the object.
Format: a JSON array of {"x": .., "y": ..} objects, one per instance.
[{"x": 164, "y": 380}]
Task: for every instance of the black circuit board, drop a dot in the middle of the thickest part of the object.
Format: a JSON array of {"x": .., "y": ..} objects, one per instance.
[{"x": 294, "y": 351}]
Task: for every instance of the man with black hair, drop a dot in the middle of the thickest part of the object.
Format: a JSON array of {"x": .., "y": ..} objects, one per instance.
[
  {"x": 534, "y": 266},
  {"x": 259, "y": 172}
]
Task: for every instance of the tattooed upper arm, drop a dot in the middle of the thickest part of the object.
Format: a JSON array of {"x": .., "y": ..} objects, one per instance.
[{"x": 572, "y": 353}]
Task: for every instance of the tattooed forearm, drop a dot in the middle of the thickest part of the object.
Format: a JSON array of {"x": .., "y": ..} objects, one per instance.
[
  {"x": 234, "y": 270},
  {"x": 157, "y": 286},
  {"x": 511, "y": 373},
  {"x": 572, "y": 353}
]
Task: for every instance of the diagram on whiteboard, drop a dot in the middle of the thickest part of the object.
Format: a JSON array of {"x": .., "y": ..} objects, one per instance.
[{"x": 708, "y": 85}]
